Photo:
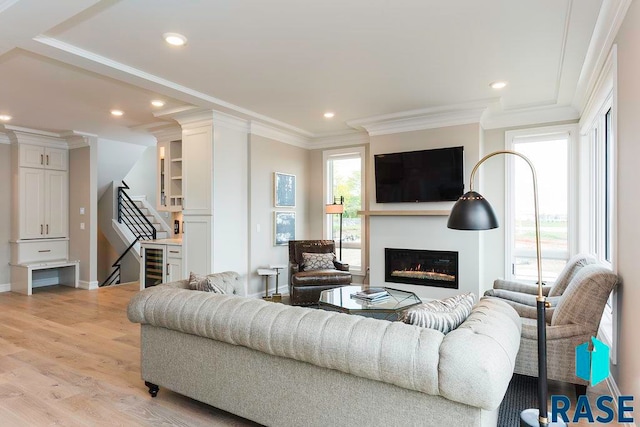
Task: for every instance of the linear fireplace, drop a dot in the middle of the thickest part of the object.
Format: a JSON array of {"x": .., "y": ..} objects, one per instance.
[{"x": 421, "y": 267}]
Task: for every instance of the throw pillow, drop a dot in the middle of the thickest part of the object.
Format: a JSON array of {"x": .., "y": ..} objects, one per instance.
[
  {"x": 317, "y": 261},
  {"x": 443, "y": 315},
  {"x": 198, "y": 282}
]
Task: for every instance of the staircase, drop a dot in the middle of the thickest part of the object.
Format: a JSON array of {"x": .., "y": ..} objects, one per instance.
[
  {"x": 135, "y": 222},
  {"x": 141, "y": 216}
]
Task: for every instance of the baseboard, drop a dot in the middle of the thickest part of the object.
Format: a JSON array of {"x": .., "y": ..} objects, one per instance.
[
  {"x": 90, "y": 286},
  {"x": 5, "y": 288}
]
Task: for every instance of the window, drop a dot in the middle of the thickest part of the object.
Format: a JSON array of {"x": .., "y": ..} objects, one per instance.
[
  {"x": 598, "y": 228},
  {"x": 344, "y": 178},
  {"x": 549, "y": 149},
  {"x": 602, "y": 205}
]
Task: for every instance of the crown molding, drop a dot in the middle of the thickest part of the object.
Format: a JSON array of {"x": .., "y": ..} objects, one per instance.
[
  {"x": 528, "y": 116},
  {"x": 427, "y": 118},
  {"x": 77, "y": 139},
  {"x": 609, "y": 20},
  {"x": 339, "y": 140},
  {"x": 230, "y": 122},
  {"x": 170, "y": 132},
  {"x": 193, "y": 118},
  {"x": 267, "y": 131},
  {"x": 19, "y": 129}
]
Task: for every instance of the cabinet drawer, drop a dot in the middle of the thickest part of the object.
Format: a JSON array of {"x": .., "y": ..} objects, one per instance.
[
  {"x": 174, "y": 251},
  {"x": 40, "y": 250}
]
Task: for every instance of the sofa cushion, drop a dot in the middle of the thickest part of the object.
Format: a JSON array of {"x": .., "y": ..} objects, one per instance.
[
  {"x": 317, "y": 261},
  {"x": 444, "y": 315},
  {"x": 321, "y": 277},
  {"x": 220, "y": 283}
]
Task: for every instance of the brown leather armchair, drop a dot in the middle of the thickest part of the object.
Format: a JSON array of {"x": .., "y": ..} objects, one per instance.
[{"x": 305, "y": 285}]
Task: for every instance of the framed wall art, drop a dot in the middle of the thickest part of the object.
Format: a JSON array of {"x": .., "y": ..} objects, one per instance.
[
  {"x": 284, "y": 190},
  {"x": 284, "y": 227}
]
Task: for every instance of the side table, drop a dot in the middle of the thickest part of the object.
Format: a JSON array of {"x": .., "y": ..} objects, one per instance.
[
  {"x": 266, "y": 272},
  {"x": 277, "y": 297}
]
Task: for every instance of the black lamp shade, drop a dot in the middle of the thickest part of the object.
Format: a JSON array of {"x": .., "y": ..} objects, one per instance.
[{"x": 472, "y": 212}]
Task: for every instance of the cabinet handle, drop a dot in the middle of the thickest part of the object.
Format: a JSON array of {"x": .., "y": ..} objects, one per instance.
[
  {"x": 41, "y": 229},
  {"x": 173, "y": 252},
  {"x": 168, "y": 272},
  {"x": 47, "y": 160},
  {"x": 41, "y": 159},
  {"x": 45, "y": 250},
  {"x": 47, "y": 228}
]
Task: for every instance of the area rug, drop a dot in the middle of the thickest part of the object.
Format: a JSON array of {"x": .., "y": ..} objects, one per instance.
[{"x": 521, "y": 394}]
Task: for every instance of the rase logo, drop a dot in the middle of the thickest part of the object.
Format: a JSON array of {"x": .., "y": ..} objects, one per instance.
[{"x": 592, "y": 364}]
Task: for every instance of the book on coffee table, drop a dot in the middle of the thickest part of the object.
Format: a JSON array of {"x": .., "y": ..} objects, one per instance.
[{"x": 371, "y": 294}]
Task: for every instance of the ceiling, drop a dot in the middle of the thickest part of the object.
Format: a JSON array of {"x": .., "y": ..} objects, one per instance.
[{"x": 65, "y": 64}]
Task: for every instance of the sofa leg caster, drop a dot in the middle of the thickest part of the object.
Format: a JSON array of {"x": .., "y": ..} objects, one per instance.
[
  {"x": 153, "y": 389},
  {"x": 581, "y": 390}
]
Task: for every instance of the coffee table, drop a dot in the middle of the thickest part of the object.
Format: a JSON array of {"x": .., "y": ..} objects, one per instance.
[{"x": 339, "y": 299}]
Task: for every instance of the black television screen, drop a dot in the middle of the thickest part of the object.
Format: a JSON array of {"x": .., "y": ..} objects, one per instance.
[{"x": 420, "y": 176}]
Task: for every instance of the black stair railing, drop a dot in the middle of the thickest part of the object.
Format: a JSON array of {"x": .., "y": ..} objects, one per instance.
[
  {"x": 137, "y": 222},
  {"x": 130, "y": 215},
  {"x": 114, "y": 277}
]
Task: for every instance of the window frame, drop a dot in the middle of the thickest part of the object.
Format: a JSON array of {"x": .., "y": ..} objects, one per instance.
[
  {"x": 327, "y": 191},
  {"x": 541, "y": 134}
]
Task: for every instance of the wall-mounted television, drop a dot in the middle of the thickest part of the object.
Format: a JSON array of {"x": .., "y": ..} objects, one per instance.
[{"x": 420, "y": 176}]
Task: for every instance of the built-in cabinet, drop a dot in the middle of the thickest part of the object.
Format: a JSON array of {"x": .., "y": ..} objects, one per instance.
[
  {"x": 161, "y": 262},
  {"x": 170, "y": 176},
  {"x": 40, "y": 214},
  {"x": 43, "y": 184}
]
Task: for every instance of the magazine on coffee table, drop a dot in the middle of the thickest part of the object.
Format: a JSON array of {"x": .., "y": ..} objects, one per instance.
[{"x": 371, "y": 294}]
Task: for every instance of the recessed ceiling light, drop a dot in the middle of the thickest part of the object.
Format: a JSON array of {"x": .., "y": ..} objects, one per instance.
[
  {"x": 117, "y": 113},
  {"x": 157, "y": 103},
  {"x": 5, "y": 117},
  {"x": 329, "y": 115},
  {"x": 498, "y": 85},
  {"x": 175, "y": 39}
]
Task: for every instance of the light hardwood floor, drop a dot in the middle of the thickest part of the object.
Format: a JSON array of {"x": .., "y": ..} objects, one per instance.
[{"x": 70, "y": 357}]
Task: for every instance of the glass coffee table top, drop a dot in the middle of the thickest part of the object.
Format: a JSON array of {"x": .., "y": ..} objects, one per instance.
[{"x": 339, "y": 299}]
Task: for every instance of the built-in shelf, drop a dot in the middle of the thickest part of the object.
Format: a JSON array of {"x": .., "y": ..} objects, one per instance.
[{"x": 405, "y": 213}]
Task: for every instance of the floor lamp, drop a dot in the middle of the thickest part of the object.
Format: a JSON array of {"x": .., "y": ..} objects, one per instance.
[
  {"x": 336, "y": 208},
  {"x": 473, "y": 212}
]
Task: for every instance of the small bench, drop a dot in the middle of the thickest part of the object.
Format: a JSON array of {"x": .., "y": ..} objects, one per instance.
[{"x": 24, "y": 277}]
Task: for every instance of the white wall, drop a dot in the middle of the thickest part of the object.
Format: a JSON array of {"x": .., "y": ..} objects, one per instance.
[
  {"x": 83, "y": 243},
  {"x": 143, "y": 176},
  {"x": 115, "y": 160},
  {"x": 627, "y": 372},
  {"x": 425, "y": 232},
  {"x": 266, "y": 157}
]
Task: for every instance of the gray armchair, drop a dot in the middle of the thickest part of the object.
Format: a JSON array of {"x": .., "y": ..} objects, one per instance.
[
  {"x": 572, "y": 321},
  {"x": 522, "y": 295}
]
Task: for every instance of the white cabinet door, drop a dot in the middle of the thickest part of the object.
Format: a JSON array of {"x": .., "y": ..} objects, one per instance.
[
  {"x": 55, "y": 158},
  {"x": 31, "y": 156},
  {"x": 32, "y": 190},
  {"x": 197, "y": 170},
  {"x": 56, "y": 201},
  {"x": 174, "y": 269}
]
